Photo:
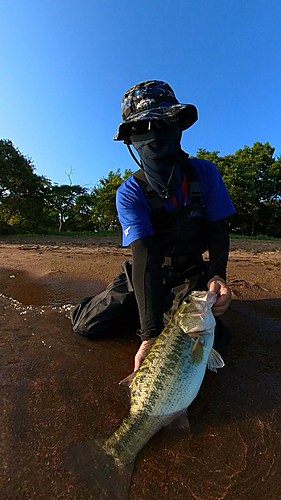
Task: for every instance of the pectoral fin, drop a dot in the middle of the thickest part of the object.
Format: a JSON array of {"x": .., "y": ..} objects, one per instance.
[
  {"x": 196, "y": 355},
  {"x": 178, "y": 422},
  {"x": 215, "y": 361},
  {"x": 128, "y": 381}
]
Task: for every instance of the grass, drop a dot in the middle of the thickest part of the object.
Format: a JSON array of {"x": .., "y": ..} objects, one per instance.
[
  {"x": 263, "y": 237},
  {"x": 64, "y": 233},
  {"x": 256, "y": 237}
]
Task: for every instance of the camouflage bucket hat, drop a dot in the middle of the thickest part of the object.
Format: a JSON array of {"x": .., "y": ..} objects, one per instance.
[{"x": 152, "y": 100}]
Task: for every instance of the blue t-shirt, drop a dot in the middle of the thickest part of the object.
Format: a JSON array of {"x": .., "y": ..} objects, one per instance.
[{"x": 134, "y": 211}]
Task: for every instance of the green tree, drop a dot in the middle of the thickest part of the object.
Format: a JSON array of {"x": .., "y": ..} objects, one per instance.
[
  {"x": 252, "y": 177},
  {"x": 67, "y": 203},
  {"x": 22, "y": 192},
  {"x": 104, "y": 214},
  {"x": 270, "y": 218},
  {"x": 213, "y": 156},
  {"x": 273, "y": 187},
  {"x": 249, "y": 182}
]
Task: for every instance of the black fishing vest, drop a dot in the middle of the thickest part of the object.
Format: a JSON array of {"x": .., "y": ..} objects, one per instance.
[{"x": 182, "y": 230}]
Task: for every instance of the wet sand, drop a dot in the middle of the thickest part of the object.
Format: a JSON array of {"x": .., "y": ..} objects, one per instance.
[{"x": 58, "y": 389}]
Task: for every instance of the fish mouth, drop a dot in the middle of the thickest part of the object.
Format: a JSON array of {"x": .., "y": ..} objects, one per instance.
[
  {"x": 205, "y": 296},
  {"x": 199, "y": 333}
]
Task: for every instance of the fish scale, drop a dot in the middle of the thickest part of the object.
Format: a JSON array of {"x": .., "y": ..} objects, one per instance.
[{"x": 163, "y": 372}]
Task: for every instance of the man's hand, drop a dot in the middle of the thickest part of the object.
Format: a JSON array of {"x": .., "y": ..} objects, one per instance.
[
  {"x": 218, "y": 285},
  {"x": 142, "y": 352}
]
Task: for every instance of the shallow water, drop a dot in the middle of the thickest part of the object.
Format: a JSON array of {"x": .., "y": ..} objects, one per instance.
[{"x": 48, "y": 290}]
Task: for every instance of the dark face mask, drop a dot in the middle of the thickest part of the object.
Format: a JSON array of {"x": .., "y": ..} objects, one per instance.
[{"x": 159, "y": 150}]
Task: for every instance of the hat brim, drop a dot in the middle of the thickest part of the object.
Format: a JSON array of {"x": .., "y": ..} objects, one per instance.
[{"x": 188, "y": 116}]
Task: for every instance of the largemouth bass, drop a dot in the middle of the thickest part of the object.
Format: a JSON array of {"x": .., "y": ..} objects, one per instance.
[{"x": 161, "y": 390}]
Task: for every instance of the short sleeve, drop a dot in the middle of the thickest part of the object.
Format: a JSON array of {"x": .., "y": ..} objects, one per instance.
[
  {"x": 215, "y": 197},
  {"x": 133, "y": 212}
]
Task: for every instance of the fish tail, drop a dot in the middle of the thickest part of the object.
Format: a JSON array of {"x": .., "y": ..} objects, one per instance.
[{"x": 105, "y": 478}]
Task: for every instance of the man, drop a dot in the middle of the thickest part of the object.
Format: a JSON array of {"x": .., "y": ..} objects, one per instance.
[
  {"x": 171, "y": 211},
  {"x": 153, "y": 121}
]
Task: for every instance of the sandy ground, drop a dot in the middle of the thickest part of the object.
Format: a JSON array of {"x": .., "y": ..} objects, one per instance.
[{"x": 58, "y": 389}]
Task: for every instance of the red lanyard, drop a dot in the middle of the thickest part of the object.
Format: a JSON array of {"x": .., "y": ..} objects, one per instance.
[{"x": 184, "y": 193}]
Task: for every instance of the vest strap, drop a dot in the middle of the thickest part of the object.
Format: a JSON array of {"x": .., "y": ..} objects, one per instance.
[{"x": 155, "y": 200}]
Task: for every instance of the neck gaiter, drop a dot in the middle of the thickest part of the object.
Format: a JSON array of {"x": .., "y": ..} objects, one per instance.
[{"x": 159, "y": 150}]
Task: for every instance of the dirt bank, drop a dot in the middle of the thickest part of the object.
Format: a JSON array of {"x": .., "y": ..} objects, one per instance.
[{"x": 253, "y": 270}]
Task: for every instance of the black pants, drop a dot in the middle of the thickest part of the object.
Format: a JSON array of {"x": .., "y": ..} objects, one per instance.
[{"x": 115, "y": 309}]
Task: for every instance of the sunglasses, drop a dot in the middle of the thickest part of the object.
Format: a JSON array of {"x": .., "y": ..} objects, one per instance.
[{"x": 144, "y": 126}]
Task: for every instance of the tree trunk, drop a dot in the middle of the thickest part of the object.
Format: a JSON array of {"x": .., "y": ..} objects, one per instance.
[
  {"x": 253, "y": 227},
  {"x": 60, "y": 223}
]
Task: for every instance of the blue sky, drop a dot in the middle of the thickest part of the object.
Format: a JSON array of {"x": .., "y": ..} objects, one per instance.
[{"x": 65, "y": 65}]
